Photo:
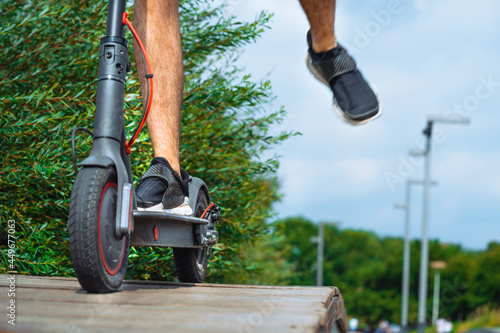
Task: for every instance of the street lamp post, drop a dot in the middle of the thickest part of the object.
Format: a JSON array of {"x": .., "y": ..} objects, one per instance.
[
  {"x": 405, "y": 285},
  {"x": 424, "y": 256},
  {"x": 321, "y": 252},
  {"x": 320, "y": 241},
  {"x": 437, "y": 266}
]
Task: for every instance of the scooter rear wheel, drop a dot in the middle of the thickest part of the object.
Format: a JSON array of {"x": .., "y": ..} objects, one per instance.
[
  {"x": 191, "y": 264},
  {"x": 99, "y": 257}
]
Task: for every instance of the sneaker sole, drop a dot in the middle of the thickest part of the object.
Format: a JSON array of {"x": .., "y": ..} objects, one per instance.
[
  {"x": 183, "y": 209},
  {"x": 336, "y": 106}
]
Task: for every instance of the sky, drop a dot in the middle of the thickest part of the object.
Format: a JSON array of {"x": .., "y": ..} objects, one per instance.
[{"x": 425, "y": 58}]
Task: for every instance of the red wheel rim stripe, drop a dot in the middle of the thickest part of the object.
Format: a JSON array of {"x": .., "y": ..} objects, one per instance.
[{"x": 111, "y": 272}]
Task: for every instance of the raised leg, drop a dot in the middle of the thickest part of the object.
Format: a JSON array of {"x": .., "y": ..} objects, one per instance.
[
  {"x": 354, "y": 101},
  {"x": 321, "y": 17},
  {"x": 157, "y": 23}
]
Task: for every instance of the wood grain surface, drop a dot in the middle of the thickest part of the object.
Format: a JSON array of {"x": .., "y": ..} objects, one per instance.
[{"x": 58, "y": 304}]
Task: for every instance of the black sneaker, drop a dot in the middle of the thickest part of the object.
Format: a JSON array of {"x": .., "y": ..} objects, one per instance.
[
  {"x": 161, "y": 189},
  {"x": 353, "y": 99}
]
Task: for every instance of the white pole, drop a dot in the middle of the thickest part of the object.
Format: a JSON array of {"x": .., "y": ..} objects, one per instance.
[
  {"x": 424, "y": 255},
  {"x": 435, "y": 302},
  {"x": 321, "y": 241},
  {"x": 406, "y": 264}
]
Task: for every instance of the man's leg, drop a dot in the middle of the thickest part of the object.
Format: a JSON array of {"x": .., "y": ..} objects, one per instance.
[
  {"x": 354, "y": 100},
  {"x": 164, "y": 187},
  {"x": 157, "y": 23},
  {"x": 321, "y": 17}
]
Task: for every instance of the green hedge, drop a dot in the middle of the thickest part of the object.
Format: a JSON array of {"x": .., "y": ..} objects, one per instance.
[{"x": 49, "y": 61}]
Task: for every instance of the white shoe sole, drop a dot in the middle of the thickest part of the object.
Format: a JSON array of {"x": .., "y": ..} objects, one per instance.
[
  {"x": 336, "y": 106},
  {"x": 183, "y": 209}
]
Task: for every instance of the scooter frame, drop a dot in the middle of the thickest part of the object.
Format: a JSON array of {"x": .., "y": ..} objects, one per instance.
[
  {"x": 109, "y": 149},
  {"x": 109, "y": 128}
]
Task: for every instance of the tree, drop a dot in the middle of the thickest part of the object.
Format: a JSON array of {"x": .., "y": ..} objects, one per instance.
[
  {"x": 49, "y": 63},
  {"x": 486, "y": 286},
  {"x": 301, "y": 258},
  {"x": 367, "y": 269}
]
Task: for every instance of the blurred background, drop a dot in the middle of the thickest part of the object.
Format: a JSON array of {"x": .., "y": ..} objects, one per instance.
[
  {"x": 425, "y": 58},
  {"x": 327, "y": 214}
]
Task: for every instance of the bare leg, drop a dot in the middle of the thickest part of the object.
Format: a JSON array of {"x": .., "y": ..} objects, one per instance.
[
  {"x": 157, "y": 23},
  {"x": 321, "y": 17}
]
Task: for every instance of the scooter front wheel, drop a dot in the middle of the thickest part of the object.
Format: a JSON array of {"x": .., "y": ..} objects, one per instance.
[{"x": 99, "y": 257}]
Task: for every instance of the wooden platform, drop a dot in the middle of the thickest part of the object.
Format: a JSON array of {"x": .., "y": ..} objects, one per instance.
[{"x": 56, "y": 304}]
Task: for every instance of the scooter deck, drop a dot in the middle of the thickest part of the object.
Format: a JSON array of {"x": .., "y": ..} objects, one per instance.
[{"x": 164, "y": 230}]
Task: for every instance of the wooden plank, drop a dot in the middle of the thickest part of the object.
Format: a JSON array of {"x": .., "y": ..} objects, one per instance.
[{"x": 55, "y": 304}]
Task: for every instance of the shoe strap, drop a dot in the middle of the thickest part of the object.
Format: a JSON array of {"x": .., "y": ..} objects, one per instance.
[
  {"x": 333, "y": 67},
  {"x": 160, "y": 171}
]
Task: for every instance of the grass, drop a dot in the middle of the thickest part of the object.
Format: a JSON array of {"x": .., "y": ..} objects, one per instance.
[{"x": 483, "y": 317}]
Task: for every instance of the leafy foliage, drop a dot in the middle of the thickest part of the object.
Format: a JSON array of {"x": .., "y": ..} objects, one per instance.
[
  {"x": 367, "y": 269},
  {"x": 49, "y": 64}
]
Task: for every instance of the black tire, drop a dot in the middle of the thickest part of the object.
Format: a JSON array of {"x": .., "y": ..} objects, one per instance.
[
  {"x": 99, "y": 257},
  {"x": 191, "y": 264}
]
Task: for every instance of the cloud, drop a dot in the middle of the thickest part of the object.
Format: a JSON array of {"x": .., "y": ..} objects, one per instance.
[
  {"x": 428, "y": 59},
  {"x": 476, "y": 174}
]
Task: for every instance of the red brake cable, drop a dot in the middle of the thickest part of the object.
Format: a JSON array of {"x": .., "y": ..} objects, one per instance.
[
  {"x": 206, "y": 210},
  {"x": 149, "y": 78}
]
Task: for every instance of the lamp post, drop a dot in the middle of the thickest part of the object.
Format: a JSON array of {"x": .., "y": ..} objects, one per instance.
[
  {"x": 320, "y": 240},
  {"x": 405, "y": 285},
  {"x": 424, "y": 256},
  {"x": 437, "y": 266}
]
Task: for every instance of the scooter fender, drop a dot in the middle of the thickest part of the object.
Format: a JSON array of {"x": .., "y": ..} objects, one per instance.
[
  {"x": 105, "y": 153},
  {"x": 195, "y": 186}
]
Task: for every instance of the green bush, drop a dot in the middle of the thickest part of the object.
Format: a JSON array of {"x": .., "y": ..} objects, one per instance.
[
  {"x": 49, "y": 62},
  {"x": 368, "y": 269}
]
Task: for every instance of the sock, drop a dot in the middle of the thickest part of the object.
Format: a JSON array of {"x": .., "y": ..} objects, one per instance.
[{"x": 318, "y": 56}]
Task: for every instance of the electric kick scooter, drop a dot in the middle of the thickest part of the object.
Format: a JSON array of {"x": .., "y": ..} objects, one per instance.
[{"x": 103, "y": 217}]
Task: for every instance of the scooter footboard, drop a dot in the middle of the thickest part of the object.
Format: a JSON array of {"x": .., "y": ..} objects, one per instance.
[{"x": 165, "y": 230}]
